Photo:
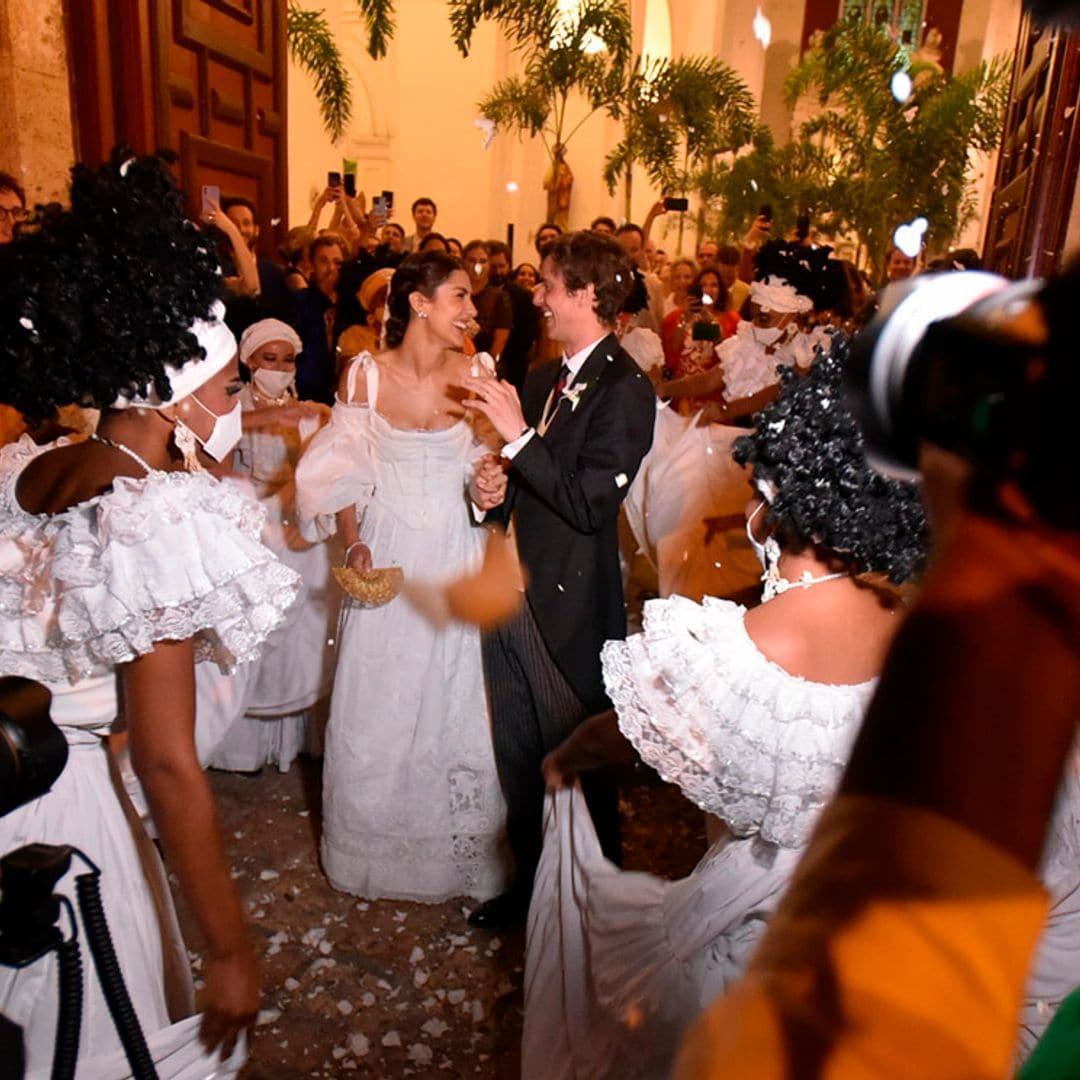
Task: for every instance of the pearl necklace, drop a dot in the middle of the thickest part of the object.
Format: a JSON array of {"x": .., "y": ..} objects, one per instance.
[{"x": 114, "y": 445}]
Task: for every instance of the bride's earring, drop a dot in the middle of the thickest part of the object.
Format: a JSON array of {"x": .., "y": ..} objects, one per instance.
[{"x": 187, "y": 444}]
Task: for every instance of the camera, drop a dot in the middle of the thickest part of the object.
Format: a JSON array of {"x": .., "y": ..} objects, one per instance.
[
  {"x": 33, "y": 750},
  {"x": 972, "y": 363}
]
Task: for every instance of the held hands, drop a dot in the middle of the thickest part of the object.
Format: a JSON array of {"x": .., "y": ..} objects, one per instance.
[
  {"x": 232, "y": 1000},
  {"x": 498, "y": 401},
  {"x": 488, "y": 486}
]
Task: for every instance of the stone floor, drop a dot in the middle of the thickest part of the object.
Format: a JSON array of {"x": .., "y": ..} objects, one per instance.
[{"x": 389, "y": 989}]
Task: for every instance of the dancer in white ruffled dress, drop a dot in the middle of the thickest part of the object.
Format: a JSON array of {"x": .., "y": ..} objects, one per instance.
[
  {"x": 117, "y": 571},
  {"x": 752, "y": 715},
  {"x": 267, "y": 712},
  {"x": 412, "y": 807}
]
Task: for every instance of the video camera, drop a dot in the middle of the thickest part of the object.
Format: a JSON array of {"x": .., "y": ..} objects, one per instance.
[{"x": 976, "y": 365}]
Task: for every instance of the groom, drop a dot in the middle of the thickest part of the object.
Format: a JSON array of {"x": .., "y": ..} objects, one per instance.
[{"x": 573, "y": 442}]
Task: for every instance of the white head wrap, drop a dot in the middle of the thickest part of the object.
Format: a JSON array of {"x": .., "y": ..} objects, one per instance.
[
  {"x": 220, "y": 345},
  {"x": 775, "y": 294},
  {"x": 265, "y": 330}
]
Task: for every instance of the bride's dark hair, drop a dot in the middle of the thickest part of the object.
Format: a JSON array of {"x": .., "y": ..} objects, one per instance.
[{"x": 422, "y": 273}]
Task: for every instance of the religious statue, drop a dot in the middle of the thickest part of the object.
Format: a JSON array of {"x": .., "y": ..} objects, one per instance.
[{"x": 558, "y": 184}]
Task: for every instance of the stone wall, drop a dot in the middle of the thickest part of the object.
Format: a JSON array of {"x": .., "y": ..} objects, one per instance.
[{"x": 37, "y": 142}]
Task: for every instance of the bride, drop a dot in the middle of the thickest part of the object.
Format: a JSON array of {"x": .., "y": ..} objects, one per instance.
[
  {"x": 411, "y": 802},
  {"x": 752, "y": 714}
]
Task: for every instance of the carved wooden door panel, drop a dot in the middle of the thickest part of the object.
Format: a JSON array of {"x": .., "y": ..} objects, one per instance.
[
  {"x": 206, "y": 78},
  {"x": 1040, "y": 151},
  {"x": 220, "y": 69}
]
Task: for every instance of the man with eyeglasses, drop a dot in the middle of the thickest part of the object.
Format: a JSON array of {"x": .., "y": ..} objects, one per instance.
[{"x": 13, "y": 210}]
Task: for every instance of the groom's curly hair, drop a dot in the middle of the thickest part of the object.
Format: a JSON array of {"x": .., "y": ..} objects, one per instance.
[
  {"x": 587, "y": 258},
  {"x": 96, "y": 300},
  {"x": 807, "y": 452}
]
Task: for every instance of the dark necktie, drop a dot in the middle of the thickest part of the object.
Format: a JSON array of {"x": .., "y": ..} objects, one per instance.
[{"x": 560, "y": 385}]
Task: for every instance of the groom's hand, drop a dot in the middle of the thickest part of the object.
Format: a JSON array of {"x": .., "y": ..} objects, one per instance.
[{"x": 498, "y": 401}]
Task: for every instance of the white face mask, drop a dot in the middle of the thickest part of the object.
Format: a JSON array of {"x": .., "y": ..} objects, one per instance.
[
  {"x": 767, "y": 335},
  {"x": 228, "y": 427},
  {"x": 272, "y": 384},
  {"x": 755, "y": 543}
]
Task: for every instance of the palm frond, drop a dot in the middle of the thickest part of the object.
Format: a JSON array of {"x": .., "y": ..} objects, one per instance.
[
  {"x": 379, "y": 16},
  {"x": 313, "y": 47}
]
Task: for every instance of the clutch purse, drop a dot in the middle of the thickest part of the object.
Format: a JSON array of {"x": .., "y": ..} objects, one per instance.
[{"x": 373, "y": 588}]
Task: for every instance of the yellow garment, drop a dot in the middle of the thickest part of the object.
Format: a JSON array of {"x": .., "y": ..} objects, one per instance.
[{"x": 900, "y": 950}]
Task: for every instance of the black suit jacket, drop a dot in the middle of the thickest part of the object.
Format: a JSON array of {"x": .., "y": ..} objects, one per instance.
[{"x": 565, "y": 488}]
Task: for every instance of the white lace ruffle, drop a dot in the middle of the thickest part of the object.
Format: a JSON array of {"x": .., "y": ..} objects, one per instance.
[
  {"x": 161, "y": 558},
  {"x": 744, "y": 740}
]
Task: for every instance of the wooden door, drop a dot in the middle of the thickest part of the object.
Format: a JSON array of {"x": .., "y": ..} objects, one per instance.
[
  {"x": 1040, "y": 151},
  {"x": 206, "y": 78}
]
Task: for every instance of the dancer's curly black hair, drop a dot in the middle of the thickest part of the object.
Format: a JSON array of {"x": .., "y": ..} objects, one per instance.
[
  {"x": 811, "y": 271},
  {"x": 97, "y": 299},
  {"x": 807, "y": 447}
]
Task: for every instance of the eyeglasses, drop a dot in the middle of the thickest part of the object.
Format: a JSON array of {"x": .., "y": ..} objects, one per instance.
[{"x": 16, "y": 215}]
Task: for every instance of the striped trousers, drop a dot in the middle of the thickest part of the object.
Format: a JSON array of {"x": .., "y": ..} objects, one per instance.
[{"x": 533, "y": 709}]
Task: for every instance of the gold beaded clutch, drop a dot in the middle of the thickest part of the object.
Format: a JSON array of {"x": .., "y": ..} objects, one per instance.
[{"x": 372, "y": 588}]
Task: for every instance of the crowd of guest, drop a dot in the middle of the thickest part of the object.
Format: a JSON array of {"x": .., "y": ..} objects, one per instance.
[{"x": 463, "y": 468}]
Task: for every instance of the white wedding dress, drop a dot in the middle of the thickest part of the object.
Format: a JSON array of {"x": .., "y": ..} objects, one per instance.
[
  {"x": 263, "y": 712},
  {"x": 412, "y": 807},
  {"x": 619, "y": 963},
  {"x": 165, "y": 557}
]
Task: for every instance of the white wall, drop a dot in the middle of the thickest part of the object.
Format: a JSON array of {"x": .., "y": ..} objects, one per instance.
[{"x": 413, "y": 131}]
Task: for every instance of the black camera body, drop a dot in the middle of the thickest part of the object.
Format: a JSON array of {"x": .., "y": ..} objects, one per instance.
[
  {"x": 932, "y": 366},
  {"x": 33, "y": 750}
]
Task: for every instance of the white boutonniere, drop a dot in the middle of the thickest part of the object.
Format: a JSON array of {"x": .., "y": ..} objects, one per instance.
[{"x": 573, "y": 393}]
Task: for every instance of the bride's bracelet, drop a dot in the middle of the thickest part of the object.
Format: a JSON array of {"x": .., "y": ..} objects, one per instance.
[{"x": 348, "y": 550}]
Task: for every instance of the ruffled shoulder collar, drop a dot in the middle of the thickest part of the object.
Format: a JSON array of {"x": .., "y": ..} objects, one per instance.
[
  {"x": 168, "y": 556},
  {"x": 745, "y": 740}
]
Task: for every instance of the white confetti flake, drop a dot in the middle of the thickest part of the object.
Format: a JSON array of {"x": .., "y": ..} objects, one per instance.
[
  {"x": 338, "y": 1053},
  {"x": 367, "y": 999},
  {"x": 344, "y": 1007},
  {"x": 267, "y": 1016},
  {"x": 477, "y": 1011},
  {"x": 420, "y": 977},
  {"x": 762, "y": 28},
  {"x": 269, "y": 875},
  {"x": 421, "y": 1054},
  {"x": 416, "y": 955},
  {"x": 621, "y": 481},
  {"x": 325, "y": 948},
  {"x": 292, "y": 984},
  {"x": 391, "y": 1038},
  {"x": 455, "y": 997},
  {"x": 900, "y": 86},
  {"x": 435, "y": 1028},
  {"x": 359, "y": 1044}
]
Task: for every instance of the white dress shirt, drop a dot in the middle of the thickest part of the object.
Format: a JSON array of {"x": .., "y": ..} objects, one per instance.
[{"x": 574, "y": 365}]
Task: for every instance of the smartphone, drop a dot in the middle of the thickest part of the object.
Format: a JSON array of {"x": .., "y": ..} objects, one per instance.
[
  {"x": 766, "y": 211},
  {"x": 211, "y": 197},
  {"x": 388, "y": 199},
  {"x": 350, "y": 185},
  {"x": 333, "y": 178},
  {"x": 705, "y": 331},
  {"x": 676, "y": 204},
  {"x": 378, "y": 209}
]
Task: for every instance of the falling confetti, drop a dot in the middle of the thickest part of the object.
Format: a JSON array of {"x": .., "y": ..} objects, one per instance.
[
  {"x": 762, "y": 28},
  {"x": 900, "y": 85},
  {"x": 909, "y": 237}
]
